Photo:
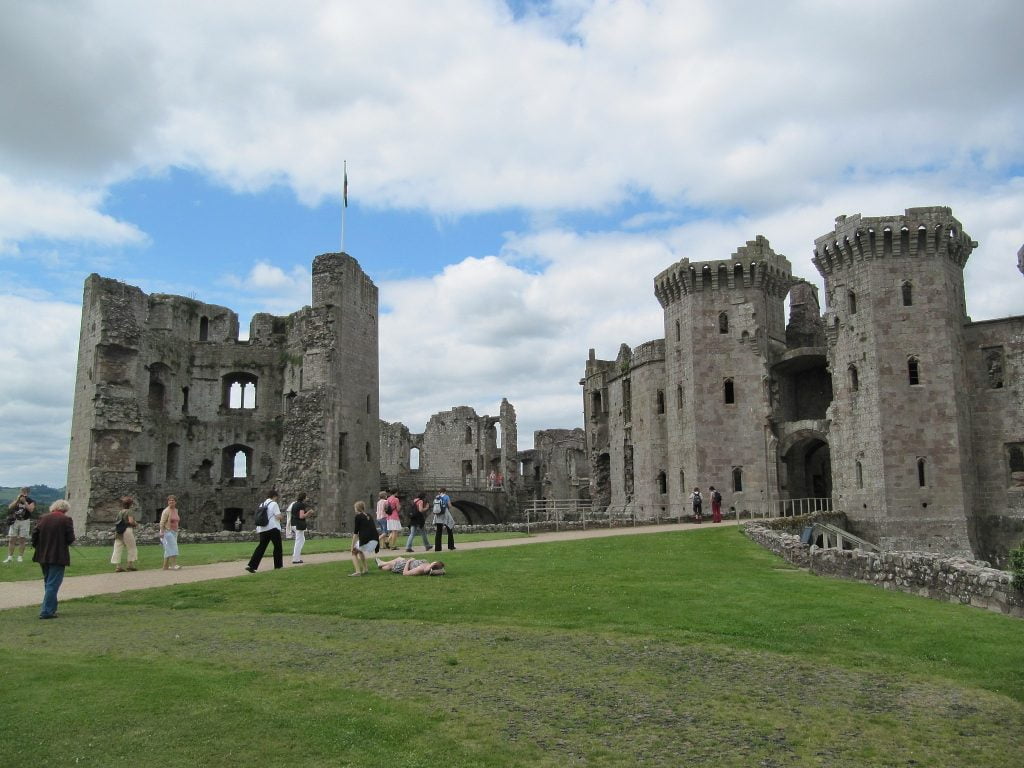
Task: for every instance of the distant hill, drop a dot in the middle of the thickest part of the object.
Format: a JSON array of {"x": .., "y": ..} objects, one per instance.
[{"x": 44, "y": 496}]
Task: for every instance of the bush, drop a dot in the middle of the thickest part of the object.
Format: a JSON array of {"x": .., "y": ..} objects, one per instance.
[{"x": 1017, "y": 567}]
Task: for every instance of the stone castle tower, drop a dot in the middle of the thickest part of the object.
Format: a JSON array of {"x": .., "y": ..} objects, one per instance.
[
  {"x": 901, "y": 418},
  {"x": 168, "y": 400}
]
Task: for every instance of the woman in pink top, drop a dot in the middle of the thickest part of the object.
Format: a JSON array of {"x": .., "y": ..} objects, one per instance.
[{"x": 169, "y": 521}]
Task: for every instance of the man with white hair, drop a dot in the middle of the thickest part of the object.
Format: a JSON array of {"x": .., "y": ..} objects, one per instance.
[{"x": 52, "y": 539}]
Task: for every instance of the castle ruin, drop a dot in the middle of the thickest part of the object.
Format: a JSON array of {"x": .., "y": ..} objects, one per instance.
[
  {"x": 169, "y": 400},
  {"x": 892, "y": 406}
]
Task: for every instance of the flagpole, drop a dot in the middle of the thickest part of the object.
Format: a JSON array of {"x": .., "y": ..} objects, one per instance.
[{"x": 344, "y": 205}]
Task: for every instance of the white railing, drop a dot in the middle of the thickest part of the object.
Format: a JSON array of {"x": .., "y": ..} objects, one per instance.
[{"x": 791, "y": 507}]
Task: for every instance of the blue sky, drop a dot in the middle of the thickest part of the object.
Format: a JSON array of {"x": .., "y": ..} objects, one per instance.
[{"x": 518, "y": 172}]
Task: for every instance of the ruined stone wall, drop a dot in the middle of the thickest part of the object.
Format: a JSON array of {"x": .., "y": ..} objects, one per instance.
[
  {"x": 561, "y": 458},
  {"x": 888, "y": 424},
  {"x": 460, "y": 447},
  {"x": 396, "y": 443},
  {"x": 595, "y": 425},
  {"x": 169, "y": 401},
  {"x": 927, "y": 574},
  {"x": 995, "y": 365}
]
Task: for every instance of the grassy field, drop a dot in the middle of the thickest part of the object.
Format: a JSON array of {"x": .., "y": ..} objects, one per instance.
[
  {"x": 89, "y": 560},
  {"x": 674, "y": 649}
]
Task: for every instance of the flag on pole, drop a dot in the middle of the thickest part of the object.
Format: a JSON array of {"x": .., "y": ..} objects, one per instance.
[{"x": 344, "y": 192}]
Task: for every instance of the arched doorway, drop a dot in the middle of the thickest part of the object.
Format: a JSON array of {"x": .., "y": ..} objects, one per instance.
[{"x": 808, "y": 468}]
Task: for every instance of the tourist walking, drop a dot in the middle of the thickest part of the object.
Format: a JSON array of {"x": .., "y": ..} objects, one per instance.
[
  {"x": 383, "y": 507},
  {"x": 270, "y": 533},
  {"x": 394, "y": 520},
  {"x": 698, "y": 503},
  {"x": 52, "y": 539},
  {"x": 19, "y": 521},
  {"x": 418, "y": 523},
  {"x": 299, "y": 513},
  {"x": 443, "y": 519},
  {"x": 716, "y": 505},
  {"x": 169, "y": 522},
  {"x": 124, "y": 538},
  {"x": 365, "y": 539}
]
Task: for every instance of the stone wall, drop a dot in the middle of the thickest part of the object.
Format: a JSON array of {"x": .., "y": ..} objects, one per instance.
[{"x": 950, "y": 579}]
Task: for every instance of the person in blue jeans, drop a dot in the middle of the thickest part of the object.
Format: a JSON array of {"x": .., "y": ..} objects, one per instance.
[
  {"x": 52, "y": 538},
  {"x": 418, "y": 522}
]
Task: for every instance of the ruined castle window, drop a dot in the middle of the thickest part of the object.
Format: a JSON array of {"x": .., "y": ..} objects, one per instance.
[
  {"x": 369, "y": 456},
  {"x": 662, "y": 483},
  {"x": 682, "y": 480},
  {"x": 920, "y": 471},
  {"x": 595, "y": 404},
  {"x": 851, "y": 302},
  {"x": 678, "y": 333},
  {"x": 737, "y": 275},
  {"x": 904, "y": 240},
  {"x": 236, "y": 461},
  {"x": 854, "y": 378},
  {"x": 367, "y": 403},
  {"x": 342, "y": 451},
  {"x": 184, "y": 399},
  {"x": 204, "y": 329},
  {"x": 469, "y": 435},
  {"x": 660, "y": 401},
  {"x": 627, "y": 400},
  {"x": 913, "y": 370},
  {"x": 994, "y": 367},
  {"x": 729, "y": 392},
  {"x": 289, "y": 401},
  {"x": 723, "y": 322},
  {"x": 860, "y": 475},
  {"x": 173, "y": 453},
  {"x": 922, "y": 237},
  {"x": 887, "y": 241},
  {"x": 907, "y": 292},
  {"x": 679, "y": 396},
  {"x": 414, "y": 458},
  {"x": 156, "y": 396},
  {"x": 1015, "y": 464},
  {"x": 239, "y": 391},
  {"x": 144, "y": 474},
  {"x": 737, "y": 479}
]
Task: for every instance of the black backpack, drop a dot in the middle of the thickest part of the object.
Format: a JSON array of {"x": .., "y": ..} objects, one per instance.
[
  {"x": 716, "y": 497},
  {"x": 262, "y": 518}
]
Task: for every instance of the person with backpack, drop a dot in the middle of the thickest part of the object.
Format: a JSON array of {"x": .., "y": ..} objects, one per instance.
[
  {"x": 716, "y": 505},
  {"x": 268, "y": 526},
  {"x": 299, "y": 512},
  {"x": 698, "y": 503},
  {"x": 393, "y": 521},
  {"x": 418, "y": 522},
  {"x": 443, "y": 519}
]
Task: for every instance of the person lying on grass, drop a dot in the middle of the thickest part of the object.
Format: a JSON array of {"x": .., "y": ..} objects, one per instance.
[{"x": 406, "y": 566}]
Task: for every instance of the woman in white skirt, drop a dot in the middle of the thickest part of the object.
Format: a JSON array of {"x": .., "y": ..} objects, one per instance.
[{"x": 169, "y": 521}]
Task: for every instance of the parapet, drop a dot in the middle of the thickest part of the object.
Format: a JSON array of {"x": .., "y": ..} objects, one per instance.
[
  {"x": 753, "y": 265},
  {"x": 923, "y": 232}
]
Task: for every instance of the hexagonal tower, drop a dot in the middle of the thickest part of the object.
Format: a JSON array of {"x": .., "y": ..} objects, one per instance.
[
  {"x": 724, "y": 323},
  {"x": 895, "y": 317}
]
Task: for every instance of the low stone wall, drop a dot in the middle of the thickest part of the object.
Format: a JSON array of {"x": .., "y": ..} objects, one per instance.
[{"x": 951, "y": 579}]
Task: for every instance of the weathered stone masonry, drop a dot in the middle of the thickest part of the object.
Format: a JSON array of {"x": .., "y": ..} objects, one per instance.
[{"x": 168, "y": 400}]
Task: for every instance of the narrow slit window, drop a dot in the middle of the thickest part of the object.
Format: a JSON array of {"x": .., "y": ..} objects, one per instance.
[
  {"x": 854, "y": 378},
  {"x": 907, "y": 293},
  {"x": 729, "y": 392},
  {"x": 913, "y": 370},
  {"x": 921, "y": 477}
]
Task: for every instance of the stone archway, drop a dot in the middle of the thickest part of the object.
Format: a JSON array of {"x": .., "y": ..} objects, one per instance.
[{"x": 808, "y": 465}]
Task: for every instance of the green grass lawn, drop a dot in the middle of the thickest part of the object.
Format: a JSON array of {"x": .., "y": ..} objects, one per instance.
[
  {"x": 89, "y": 560},
  {"x": 672, "y": 649}
]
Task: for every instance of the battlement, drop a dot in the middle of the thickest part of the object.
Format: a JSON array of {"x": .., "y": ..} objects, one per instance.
[
  {"x": 753, "y": 265},
  {"x": 923, "y": 232}
]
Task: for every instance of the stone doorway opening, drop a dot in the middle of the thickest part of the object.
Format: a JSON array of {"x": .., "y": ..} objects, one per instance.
[
  {"x": 232, "y": 519},
  {"x": 808, "y": 465}
]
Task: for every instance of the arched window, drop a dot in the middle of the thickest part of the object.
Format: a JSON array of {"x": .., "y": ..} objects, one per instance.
[
  {"x": 860, "y": 475},
  {"x": 854, "y": 378},
  {"x": 469, "y": 435},
  {"x": 660, "y": 401},
  {"x": 239, "y": 391},
  {"x": 723, "y": 322},
  {"x": 184, "y": 399},
  {"x": 729, "y": 392},
  {"x": 907, "y": 292},
  {"x": 913, "y": 370},
  {"x": 414, "y": 458},
  {"x": 921, "y": 479},
  {"x": 236, "y": 464},
  {"x": 851, "y": 302},
  {"x": 662, "y": 483},
  {"x": 737, "y": 479}
]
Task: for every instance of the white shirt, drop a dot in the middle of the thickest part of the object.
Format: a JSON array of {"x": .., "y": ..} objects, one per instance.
[{"x": 273, "y": 517}]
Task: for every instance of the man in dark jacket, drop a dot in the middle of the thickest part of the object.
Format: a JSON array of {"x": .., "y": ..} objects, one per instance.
[{"x": 52, "y": 537}]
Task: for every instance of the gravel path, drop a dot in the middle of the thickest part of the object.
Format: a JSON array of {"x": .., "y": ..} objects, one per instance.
[{"x": 18, "y": 594}]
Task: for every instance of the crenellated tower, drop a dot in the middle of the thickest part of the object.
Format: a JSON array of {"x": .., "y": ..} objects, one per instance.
[
  {"x": 901, "y": 418},
  {"x": 724, "y": 323}
]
